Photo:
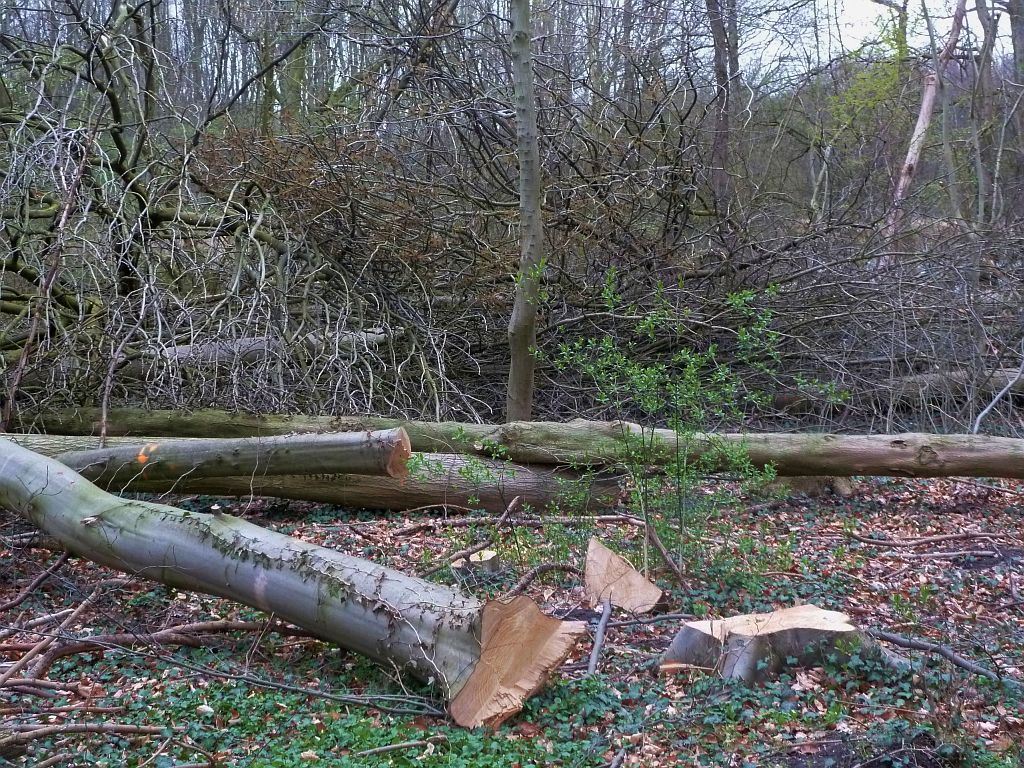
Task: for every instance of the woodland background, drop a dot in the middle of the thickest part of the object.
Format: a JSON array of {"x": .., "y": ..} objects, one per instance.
[{"x": 320, "y": 200}]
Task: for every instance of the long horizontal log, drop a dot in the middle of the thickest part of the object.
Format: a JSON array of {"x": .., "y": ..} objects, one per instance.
[
  {"x": 587, "y": 443},
  {"x": 444, "y": 479},
  {"x": 437, "y": 479},
  {"x": 126, "y": 461},
  {"x": 486, "y": 658}
]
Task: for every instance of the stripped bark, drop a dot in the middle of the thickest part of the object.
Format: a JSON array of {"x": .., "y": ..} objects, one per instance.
[{"x": 917, "y": 138}]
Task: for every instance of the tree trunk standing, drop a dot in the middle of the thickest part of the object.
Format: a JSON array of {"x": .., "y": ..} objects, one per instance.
[
  {"x": 522, "y": 326},
  {"x": 721, "y": 181},
  {"x": 894, "y": 220},
  {"x": 487, "y": 658},
  {"x": 1015, "y": 9}
]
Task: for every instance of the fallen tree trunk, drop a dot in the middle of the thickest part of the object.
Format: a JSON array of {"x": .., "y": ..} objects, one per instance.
[
  {"x": 589, "y": 443},
  {"x": 156, "y": 459},
  {"x": 438, "y": 479},
  {"x": 486, "y": 658},
  {"x": 447, "y": 479}
]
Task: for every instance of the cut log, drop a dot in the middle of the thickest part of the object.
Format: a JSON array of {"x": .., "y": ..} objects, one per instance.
[
  {"x": 486, "y": 658},
  {"x": 756, "y": 646},
  {"x": 588, "y": 444},
  {"x": 813, "y": 485},
  {"x": 607, "y": 576},
  {"x": 160, "y": 460}
]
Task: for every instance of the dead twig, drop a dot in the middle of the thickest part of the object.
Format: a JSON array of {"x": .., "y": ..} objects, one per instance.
[
  {"x": 44, "y": 731},
  {"x": 36, "y": 582},
  {"x": 653, "y": 619},
  {"x": 401, "y": 745},
  {"x": 602, "y": 627},
  {"x": 489, "y": 541},
  {"x": 522, "y": 522},
  {"x": 61, "y": 758},
  {"x": 951, "y": 555},
  {"x": 896, "y": 543},
  {"x": 537, "y": 571},
  {"x": 46, "y": 642},
  {"x": 655, "y": 539},
  {"x": 33, "y": 623},
  {"x": 190, "y": 635},
  {"x": 947, "y": 653}
]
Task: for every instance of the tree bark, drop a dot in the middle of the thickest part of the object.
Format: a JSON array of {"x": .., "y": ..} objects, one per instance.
[
  {"x": 486, "y": 658},
  {"x": 599, "y": 444}
]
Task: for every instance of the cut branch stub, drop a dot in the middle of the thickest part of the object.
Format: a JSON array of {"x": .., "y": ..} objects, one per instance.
[
  {"x": 609, "y": 576},
  {"x": 756, "y": 646}
]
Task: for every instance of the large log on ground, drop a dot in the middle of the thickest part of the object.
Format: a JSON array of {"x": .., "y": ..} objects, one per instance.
[
  {"x": 124, "y": 461},
  {"x": 446, "y": 479},
  {"x": 486, "y": 658},
  {"x": 589, "y": 443}
]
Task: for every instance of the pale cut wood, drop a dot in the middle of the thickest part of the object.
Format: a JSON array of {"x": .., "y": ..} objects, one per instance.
[
  {"x": 484, "y": 561},
  {"x": 597, "y": 444},
  {"x": 435, "y": 632},
  {"x": 756, "y": 646},
  {"x": 155, "y": 459},
  {"x": 608, "y": 576},
  {"x": 521, "y": 647}
]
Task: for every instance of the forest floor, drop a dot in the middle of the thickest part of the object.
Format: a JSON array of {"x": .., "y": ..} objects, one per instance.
[{"x": 935, "y": 560}]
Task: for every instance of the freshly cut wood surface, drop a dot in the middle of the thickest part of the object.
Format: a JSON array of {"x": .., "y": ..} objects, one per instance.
[
  {"x": 521, "y": 647},
  {"x": 609, "y": 576}
]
